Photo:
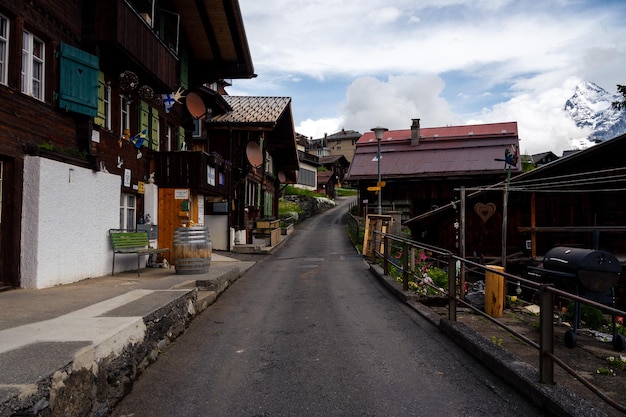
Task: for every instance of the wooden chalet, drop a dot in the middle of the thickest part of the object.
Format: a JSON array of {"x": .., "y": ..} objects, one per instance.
[
  {"x": 92, "y": 91},
  {"x": 422, "y": 168},
  {"x": 338, "y": 164},
  {"x": 576, "y": 201},
  {"x": 243, "y": 149},
  {"x": 326, "y": 183}
]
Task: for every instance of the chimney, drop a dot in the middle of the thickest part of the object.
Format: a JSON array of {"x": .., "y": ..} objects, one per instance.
[{"x": 415, "y": 132}]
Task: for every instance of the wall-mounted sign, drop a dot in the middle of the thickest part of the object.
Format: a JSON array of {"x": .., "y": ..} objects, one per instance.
[
  {"x": 127, "y": 176},
  {"x": 211, "y": 175},
  {"x": 181, "y": 194}
]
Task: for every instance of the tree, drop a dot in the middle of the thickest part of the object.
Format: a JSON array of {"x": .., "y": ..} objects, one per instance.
[{"x": 620, "y": 105}]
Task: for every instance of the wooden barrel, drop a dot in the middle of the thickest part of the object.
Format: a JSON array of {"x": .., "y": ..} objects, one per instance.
[{"x": 191, "y": 251}]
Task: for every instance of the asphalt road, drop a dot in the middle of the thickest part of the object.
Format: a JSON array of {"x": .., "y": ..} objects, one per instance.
[{"x": 309, "y": 332}]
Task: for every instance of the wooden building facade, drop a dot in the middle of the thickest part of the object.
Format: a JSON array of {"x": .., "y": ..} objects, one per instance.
[{"x": 92, "y": 91}]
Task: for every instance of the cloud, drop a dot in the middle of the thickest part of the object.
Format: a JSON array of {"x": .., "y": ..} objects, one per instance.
[
  {"x": 392, "y": 103},
  {"x": 361, "y": 63},
  {"x": 542, "y": 122}
]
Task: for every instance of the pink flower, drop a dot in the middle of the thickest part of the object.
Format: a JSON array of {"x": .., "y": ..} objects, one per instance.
[{"x": 619, "y": 319}]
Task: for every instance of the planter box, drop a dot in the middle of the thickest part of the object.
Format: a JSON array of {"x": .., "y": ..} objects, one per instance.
[
  {"x": 267, "y": 224},
  {"x": 286, "y": 230}
]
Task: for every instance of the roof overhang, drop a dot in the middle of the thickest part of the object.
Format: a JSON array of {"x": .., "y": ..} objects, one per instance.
[{"x": 217, "y": 38}]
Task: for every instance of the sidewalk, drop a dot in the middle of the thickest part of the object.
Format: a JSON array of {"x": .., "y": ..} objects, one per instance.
[{"x": 77, "y": 347}]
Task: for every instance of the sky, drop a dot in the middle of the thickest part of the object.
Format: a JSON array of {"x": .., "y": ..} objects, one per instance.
[{"x": 357, "y": 64}]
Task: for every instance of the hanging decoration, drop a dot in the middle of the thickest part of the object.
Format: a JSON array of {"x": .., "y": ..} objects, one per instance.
[
  {"x": 484, "y": 211},
  {"x": 139, "y": 139},
  {"x": 171, "y": 98},
  {"x": 128, "y": 80},
  {"x": 510, "y": 156},
  {"x": 145, "y": 92}
]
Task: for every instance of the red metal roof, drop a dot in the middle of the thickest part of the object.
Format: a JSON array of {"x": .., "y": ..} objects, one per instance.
[{"x": 441, "y": 151}]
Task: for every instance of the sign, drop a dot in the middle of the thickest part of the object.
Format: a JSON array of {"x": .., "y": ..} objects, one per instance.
[
  {"x": 373, "y": 188},
  {"x": 181, "y": 194}
]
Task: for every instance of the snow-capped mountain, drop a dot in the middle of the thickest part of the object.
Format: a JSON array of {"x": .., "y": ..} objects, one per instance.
[{"x": 590, "y": 106}]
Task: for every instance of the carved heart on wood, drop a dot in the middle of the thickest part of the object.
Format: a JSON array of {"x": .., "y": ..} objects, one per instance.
[{"x": 485, "y": 211}]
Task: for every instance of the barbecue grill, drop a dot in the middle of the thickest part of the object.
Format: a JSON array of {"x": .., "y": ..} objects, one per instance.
[{"x": 589, "y": 273}]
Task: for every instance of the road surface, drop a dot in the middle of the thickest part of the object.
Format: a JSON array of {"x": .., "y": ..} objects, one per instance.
[{"x": 308, "y": 331}]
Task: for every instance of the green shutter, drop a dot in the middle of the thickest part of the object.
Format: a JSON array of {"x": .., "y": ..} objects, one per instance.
[
  {"x": 78, "y": 84},
  {"x": 154, "y": 129},
  {"x": 100, "y": 118},
  {"x": 144, "y": 119}
]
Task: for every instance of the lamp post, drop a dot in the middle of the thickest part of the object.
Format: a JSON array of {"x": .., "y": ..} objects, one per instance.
[{"x": 378, "y": 132}]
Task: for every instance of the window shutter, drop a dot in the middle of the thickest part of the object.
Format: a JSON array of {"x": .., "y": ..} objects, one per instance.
[
  {"x": 78, "y": 86},
  {"x": 100, "y": 117},
  {"x": 144, "y": 119},
  {"x": 154, "y": 129}
]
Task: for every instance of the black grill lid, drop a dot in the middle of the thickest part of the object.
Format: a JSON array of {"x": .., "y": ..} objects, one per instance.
[{"x": 596, "y": 270}]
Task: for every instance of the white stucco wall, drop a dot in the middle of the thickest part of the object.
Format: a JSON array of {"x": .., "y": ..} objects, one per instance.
[
  {"x": 67, "y": 213},
  {"x": 218, "y": 231}
]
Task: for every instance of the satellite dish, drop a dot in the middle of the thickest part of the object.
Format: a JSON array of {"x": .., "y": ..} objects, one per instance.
[
  {"x": 282, "y": 177},
  {"x": 195, "y": 105},
  {"x": 254, "y": 154}
]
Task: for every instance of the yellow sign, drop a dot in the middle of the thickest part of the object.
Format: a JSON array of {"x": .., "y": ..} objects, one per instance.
[
  {"x": 381, "y": 184},
  {"x": 373, "y": 188}
]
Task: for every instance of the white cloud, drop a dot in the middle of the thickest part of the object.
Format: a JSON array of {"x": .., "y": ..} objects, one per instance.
[
  {"x": 542, "y": 123},
  {"x": 392, "y": 103},
  {"x": 317, "y": 128}
]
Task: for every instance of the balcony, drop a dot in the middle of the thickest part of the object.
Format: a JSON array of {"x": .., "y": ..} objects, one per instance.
[
  {"x": 191, "y": 169},
  {"x": 117, "y": 23}
]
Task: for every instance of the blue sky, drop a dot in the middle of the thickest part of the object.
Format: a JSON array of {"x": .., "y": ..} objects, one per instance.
[{"x": 355, "y": 64}]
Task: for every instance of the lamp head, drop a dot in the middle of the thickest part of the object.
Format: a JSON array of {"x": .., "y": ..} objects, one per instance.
[{"x": 379, "y": 131}]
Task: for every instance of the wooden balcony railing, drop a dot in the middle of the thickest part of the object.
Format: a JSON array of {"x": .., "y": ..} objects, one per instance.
[
  {"x": 190, "y": 169},
  {"x": 120, "y": 25}
]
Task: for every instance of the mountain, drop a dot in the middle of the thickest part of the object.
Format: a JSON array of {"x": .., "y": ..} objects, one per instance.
[{"x": 590, "y": 106}]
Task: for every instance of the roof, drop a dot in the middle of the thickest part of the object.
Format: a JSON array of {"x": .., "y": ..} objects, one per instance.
[
  {"x": 595, "y": 162},
  {"x": 331, "y": 159},
  {"x": 343, "y": 134},
  {"x": 268, "y": 114},
  {"x": 324, "y": 177},
  {"x": 442, "y": 151},
  {"x": 253, "y": 110},
  {"x": 447, "y": 132}
]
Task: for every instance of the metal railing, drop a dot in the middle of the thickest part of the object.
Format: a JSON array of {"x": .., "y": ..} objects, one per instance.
[{"x": 408, "y": 258}]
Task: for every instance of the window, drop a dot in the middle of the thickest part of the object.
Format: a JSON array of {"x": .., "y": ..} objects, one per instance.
[
  {"x": 197, "y": 128},
  {"x": 307, "y": 177},
  {"x": 124, "y": 115},
  {"x": 33, "y": 50},
  {"x": 181, "y": 145},
  {"x": 4, "y": 49},
  {"x": 128, "y": 208},
  {"x": 168, "y": 138},
  {"x": 252, "y": 193}
]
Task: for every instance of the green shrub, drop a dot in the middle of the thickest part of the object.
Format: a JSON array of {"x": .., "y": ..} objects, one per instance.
[{"x": 590, "y": 316}]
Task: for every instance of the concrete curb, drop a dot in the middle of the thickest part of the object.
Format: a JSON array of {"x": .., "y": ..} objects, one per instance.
[
  {"x": 99, "y": 374},
  {"x": 520, "y": 375}
]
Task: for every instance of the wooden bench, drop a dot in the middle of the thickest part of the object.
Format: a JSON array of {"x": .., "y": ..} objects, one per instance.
[{"x": 132, "y": 242}]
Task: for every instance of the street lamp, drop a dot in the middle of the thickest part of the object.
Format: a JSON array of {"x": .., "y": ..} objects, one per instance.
[{"x": 378, "y": 132}]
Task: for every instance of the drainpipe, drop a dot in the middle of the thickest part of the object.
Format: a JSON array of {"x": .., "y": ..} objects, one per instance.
[{"x": 230, "y": 185}]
